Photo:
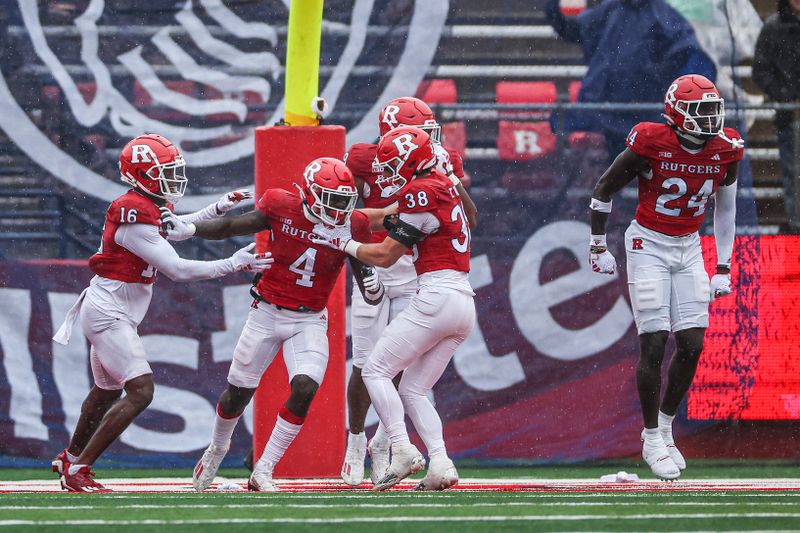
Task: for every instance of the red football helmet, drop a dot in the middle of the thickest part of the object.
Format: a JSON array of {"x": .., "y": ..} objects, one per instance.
[
  {"x": 693, "y": 105},
  {"x": 409, "y": 111},
  {"x": 403, "y": 153},
  {"x": 154, "y": 165},
  {"x": 329, "y": 190}
]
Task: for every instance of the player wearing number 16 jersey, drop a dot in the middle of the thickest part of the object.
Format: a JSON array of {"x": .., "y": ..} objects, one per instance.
[
  {"x": 421, "y": 340},
  {"x": 288, "y": 308},
  {"x": 131, "y": 252},
  {"x": 679, "y": 166}
]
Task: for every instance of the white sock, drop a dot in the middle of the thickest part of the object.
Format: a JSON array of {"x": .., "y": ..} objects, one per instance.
[
  {"x": 665, "y": 421},
  {"x": 356, "y": 440},
  {"x": 389, "y": 407},
  {"x": 71, "y": 458},
  {"x": 223, "y": 429},
  {"x": 426, "y": 421},
  {"x": 651, "y": 433},
  {"x": 282, "y": 436},
  {"x": 73, "y": 469},
  {"x": 381, "y": 438}
]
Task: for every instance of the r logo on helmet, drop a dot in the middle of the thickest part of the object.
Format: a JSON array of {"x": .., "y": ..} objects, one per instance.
[
  {"x": 405, "y": 145},
  {"x": 141, "y": 153},
  {"x": 390, "y": 116}
]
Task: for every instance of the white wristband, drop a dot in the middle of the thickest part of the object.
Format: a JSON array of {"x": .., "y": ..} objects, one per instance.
[
  {"x": 597, "y": 240},
  {"x": 351, "y": 248},
  {"x": 192, "y": 228},
  {"x": 598, "y": 205},
  {"x": 454, "y": 179}
]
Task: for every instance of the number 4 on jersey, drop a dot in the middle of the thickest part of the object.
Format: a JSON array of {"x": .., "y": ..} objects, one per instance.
[{"x": 303, "y": 266}]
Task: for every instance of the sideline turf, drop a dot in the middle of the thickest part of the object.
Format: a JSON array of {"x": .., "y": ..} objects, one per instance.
[{"x": 406, "y": 512}]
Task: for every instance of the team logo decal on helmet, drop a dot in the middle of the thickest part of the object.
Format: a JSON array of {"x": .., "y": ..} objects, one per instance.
[{"x": 329, "y": 190}]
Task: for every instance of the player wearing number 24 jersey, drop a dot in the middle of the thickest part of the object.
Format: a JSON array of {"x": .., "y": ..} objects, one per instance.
[
  {"x": 679, "y": 165},
  {"x": 288, "y": 308},
  {"x": 422, "y": 339},
  {"x": 132, "y": 251}
]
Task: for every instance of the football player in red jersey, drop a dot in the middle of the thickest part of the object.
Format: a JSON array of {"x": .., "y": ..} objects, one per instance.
[
  {"x": 288, "y": 309},
  {"x": 132, "y": 250},
  {"x": 366, "y": 321},
  {"x": 421, "y": 340},
  {"x": 679, "y": 165}
]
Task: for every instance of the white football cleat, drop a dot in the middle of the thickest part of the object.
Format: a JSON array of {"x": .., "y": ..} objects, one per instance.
[
  {"x": 206, "y": 468},
  {"x": 655, "y": 454},
  {"x": 379, "y": 453},
  {"x": 674, "y": 452},
  {"x": 406, "y": 460},
  {"x": 442, "y": 474},
  {"x": 353, "y": 466},
  {"x": 261, "y": 479}
]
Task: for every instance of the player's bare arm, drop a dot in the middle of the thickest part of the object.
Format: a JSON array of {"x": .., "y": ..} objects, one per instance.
[
  {"x": 383, "y": 254},
  {"x": 217, "y": 229},
  {"x": 627, "y": 166},
  {"x": 470, "y": 209}
]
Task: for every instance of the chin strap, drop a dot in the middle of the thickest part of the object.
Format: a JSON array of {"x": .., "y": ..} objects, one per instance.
[{"x": 736, "y": 144}]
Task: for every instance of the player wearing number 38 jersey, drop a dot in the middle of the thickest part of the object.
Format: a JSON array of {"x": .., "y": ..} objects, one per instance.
[
  {"x": 680, "y": 165},
  {"x": 132, "y": 251},
  {"x": 421, "y": 340}
]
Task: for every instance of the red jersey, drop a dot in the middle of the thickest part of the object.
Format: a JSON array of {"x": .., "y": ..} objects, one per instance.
[
  {"x": 673, "y": 200},
  {"x": 303, "y": 273},
  {"x": 449, "y": 246},
  {"x": 361, "y": 161},
  {"x": 112, "y": 261}
]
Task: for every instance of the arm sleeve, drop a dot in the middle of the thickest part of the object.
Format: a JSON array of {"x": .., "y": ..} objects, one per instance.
[
  {"x": 209, "y": 212},
  {"x": 144, "y": 241},
  {"x": 725, "y": 222},
  {"x": 426, "y": 222}
]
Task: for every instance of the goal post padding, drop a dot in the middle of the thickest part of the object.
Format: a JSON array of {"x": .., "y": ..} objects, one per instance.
[{"x": 281, "y": 155}]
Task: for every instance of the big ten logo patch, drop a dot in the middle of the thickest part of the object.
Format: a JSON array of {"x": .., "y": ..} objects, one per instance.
[{"x": 203, "y": 73}]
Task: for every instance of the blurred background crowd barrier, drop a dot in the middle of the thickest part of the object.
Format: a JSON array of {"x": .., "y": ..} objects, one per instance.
[{"x": 548, "y": 373}]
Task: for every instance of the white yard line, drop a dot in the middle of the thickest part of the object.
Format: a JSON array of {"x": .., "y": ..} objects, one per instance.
[
  {"x": 404, "y": 505},
  {"x": 400, "y": 519}
]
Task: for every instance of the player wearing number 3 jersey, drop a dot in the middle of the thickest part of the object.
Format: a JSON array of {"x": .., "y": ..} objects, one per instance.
[
  {"x": 679, "y": 166},
  {"x": 288, "y": 308},
  {"x": 132, "y": 251},
  {"x": 421, "y": 340}
]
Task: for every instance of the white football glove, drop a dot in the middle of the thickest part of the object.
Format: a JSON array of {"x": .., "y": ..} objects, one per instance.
[
  {"x": 332, "y": 237},
  {"x": 175, "y": 228},
  {"x": 243, "y": 260},
  {"x": 600, "y": 258},
  {"x": 720, "y": 286},
  {"x": 232, "y": 199},
  {"x": 373, "y": 288}
]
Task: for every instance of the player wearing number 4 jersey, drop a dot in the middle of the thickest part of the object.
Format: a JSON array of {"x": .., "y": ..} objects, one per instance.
[
  {"x": 288, "y": 308},
  {"x": 679, "y": 166},
  {"x": 132, "y": 250},
  {"x": 421, "y": 340}
]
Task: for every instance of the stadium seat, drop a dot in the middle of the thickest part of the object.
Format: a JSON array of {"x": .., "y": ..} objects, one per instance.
[
  {"x": 443, "y": 91},
  {"x": 525, "y": 140}
]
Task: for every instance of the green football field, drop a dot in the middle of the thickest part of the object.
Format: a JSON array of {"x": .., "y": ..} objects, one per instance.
[{"x": 709, "y": 497}]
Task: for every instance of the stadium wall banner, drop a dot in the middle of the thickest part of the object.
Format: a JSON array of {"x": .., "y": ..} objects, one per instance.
[
  {"x": 215, "y": 64},
  {"x": 546, "y": 375}
]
